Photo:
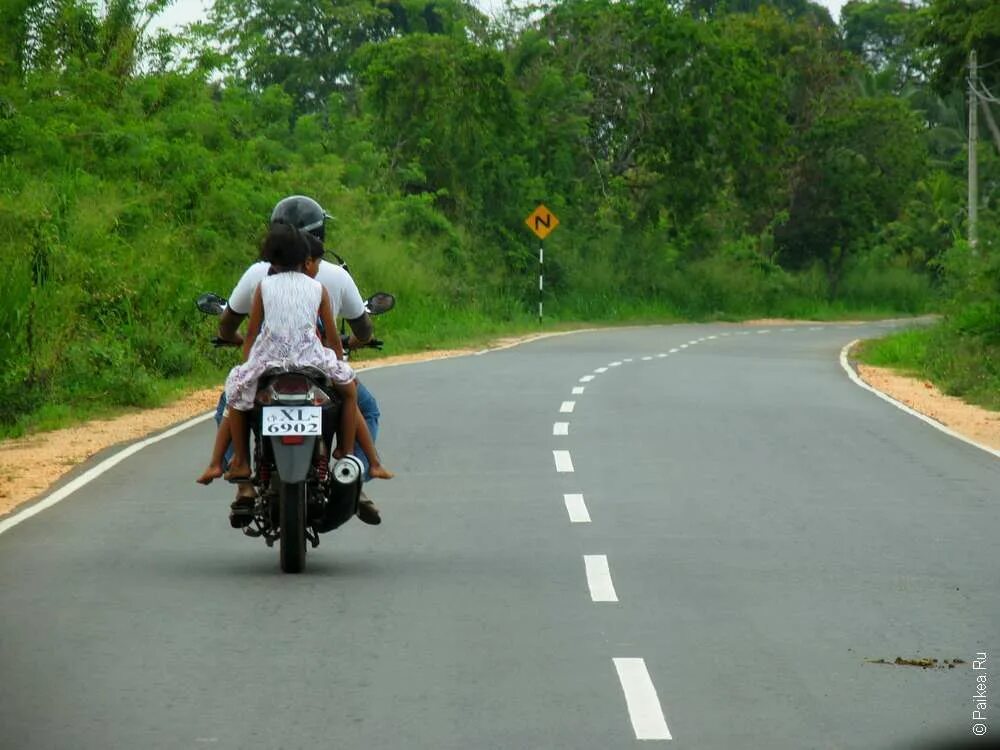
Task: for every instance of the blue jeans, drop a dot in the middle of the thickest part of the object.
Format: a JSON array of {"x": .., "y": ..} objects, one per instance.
[{"x": 369, "y": 410}]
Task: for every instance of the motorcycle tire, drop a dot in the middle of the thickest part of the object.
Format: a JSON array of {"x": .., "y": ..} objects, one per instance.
[{"x": 292, "y": 544}]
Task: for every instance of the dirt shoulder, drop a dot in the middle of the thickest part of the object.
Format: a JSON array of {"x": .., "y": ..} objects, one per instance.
[
  {"x": 973, "y": 422},
  {"x": 31, "y": 464}
]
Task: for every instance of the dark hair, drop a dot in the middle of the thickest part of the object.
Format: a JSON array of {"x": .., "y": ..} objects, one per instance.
[
  {"x": 285, "y": 247},
  {"x": 315, "y": 244}
]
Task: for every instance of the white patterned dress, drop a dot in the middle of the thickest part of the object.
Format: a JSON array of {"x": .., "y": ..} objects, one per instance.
[{"x": 287, "y": 339}]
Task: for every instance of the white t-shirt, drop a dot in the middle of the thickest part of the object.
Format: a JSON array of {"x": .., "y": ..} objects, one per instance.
[{"x": 344, "y": 295}]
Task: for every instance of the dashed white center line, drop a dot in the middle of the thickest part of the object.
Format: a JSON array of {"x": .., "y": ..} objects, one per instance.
[
  {"x": 577, "y": 390},
  {"x": 815, "y": 328},
  {"x": 640, "y": 697},
  {"x": 626, "y": 360},
  {"x": 599, "y": 578},
  {"x": 712, "y": 338},
  {"x": 599, "y": 370},
  {"x": 646, "y": 359},
  {"x": 684, "y": 346},
  {"x": 674, "y": 350},
  {"x": 567, "y": 407},
  {"x": 614, "y": 364},
  {"x": 564, "y": 462},
  {"x": 560, "y": 428},
  {"x": 766, "y": 330},
  {"x": 586, "y": 378},
  {"x": 576, "y": 508}
]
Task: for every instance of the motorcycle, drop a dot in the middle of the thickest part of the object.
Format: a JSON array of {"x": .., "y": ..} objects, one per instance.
[{"x": 298, "y": 494}]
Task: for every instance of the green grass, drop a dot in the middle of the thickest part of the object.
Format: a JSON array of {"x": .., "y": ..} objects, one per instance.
[{"x": 962, "y": 365}]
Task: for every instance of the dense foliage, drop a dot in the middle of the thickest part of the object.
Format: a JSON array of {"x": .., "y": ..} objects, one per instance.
[{"x": 705, "y": 158}]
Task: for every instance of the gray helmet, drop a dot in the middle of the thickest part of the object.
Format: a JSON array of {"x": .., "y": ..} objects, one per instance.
[{"x": 302, "y": 213}]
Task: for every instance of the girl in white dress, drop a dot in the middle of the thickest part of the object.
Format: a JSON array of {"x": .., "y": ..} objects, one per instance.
[
  {"x": 287, "y": 338},
  {"x": 282, "y": 334}
]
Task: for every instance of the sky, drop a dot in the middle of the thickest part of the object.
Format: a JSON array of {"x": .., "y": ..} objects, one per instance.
[{"x": 187, "y": 11}]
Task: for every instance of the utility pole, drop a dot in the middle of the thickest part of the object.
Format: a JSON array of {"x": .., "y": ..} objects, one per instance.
[{"x": 973, "y": 139}]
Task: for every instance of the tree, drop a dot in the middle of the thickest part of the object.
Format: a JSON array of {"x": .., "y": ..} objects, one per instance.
[
  {"x": 306, "y": 47},
  {"x": 952, "y": 29},
  {"x": 884, "y": 34},
  {"x": 861, "y": 159},
  {"x": 443, "y": 110}
]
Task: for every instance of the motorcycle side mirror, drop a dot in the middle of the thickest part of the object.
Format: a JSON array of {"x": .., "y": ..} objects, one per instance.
[
  {"x": 380, "y": 302},
  {"x": 211, "y": 304}
]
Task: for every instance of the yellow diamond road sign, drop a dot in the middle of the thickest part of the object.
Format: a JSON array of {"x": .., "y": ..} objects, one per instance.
[{"x": 541, "y": 221}]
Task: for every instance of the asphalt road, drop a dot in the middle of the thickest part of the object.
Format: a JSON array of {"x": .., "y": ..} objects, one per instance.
[{"x": 760, "y": 532}]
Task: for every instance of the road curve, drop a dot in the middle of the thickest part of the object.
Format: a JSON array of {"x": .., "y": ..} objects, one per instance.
[{"x": 703, "y": 535}]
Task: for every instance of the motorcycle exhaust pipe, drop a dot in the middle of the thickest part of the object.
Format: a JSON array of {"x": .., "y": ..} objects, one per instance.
[
  {"x": 347, "y": 470},
  {"x": 344, "y": 487}
]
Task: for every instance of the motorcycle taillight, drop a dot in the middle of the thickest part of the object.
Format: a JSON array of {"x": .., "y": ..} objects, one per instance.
[{"x": 291, "y": 385}]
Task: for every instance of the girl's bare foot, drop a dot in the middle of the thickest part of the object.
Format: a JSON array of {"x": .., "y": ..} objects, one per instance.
[
  {"x": 238, "y": 472},
  {"x": 214, "y": 471},
  {"x": 378, "y": 471}
]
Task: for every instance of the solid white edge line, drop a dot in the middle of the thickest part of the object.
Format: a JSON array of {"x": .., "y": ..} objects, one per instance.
[
  {"x": 577, "y": 390},
  {"x": 560, "y": 428},
  {"x": 567, "y": 407},
  {"x": 576, "y": 508},
  {"x": 900, "y": 405},
  {"x": 602, "y": 589},
  {"x": 564, "y": 462},
  {"x": 95, "y": 471},
  {"x": 643, "y": 704}
]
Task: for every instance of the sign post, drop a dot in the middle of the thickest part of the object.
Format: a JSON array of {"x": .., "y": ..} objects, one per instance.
[{"x": 541, "y": 221}]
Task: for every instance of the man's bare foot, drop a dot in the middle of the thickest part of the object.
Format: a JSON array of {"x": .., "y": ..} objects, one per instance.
[
  {"x": 237, "y": 473},
  {"x": 214, "y": 471},
  {"x": 378, "y": 471}
]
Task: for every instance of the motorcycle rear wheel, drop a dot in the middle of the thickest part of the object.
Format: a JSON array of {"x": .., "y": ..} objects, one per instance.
[{"x": 292, "y": 509}]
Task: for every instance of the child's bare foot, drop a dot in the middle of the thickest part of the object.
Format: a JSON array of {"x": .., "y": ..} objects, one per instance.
[
  {"x": 214, "y": 471},
  {"x": 238, "y": 472},
  {"x": 378, "y": 471}
]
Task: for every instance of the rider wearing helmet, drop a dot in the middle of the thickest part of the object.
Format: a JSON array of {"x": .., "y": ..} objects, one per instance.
[{"x": 306, "y": 214}]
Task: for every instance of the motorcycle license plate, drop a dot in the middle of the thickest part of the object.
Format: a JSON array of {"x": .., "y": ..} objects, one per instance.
[{"x": 292, "y": 420}]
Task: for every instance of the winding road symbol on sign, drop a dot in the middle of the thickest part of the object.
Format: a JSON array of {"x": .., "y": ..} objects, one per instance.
[{"x": 541, "y": 221}]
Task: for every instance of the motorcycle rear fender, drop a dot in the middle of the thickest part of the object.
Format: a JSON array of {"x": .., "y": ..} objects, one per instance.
[{"x": 293, "y": 461}]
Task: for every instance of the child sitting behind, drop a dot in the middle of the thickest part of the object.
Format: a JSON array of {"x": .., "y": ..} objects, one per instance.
[{"x": 282, "y": 334}]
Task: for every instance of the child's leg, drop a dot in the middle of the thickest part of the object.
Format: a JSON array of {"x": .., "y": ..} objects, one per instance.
[
  {"x": 222, "y": 438},
  {"x": 348, "y": 420},
  {"x": 240, "y": 431},
  {"x": 375, "y": 467}
]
